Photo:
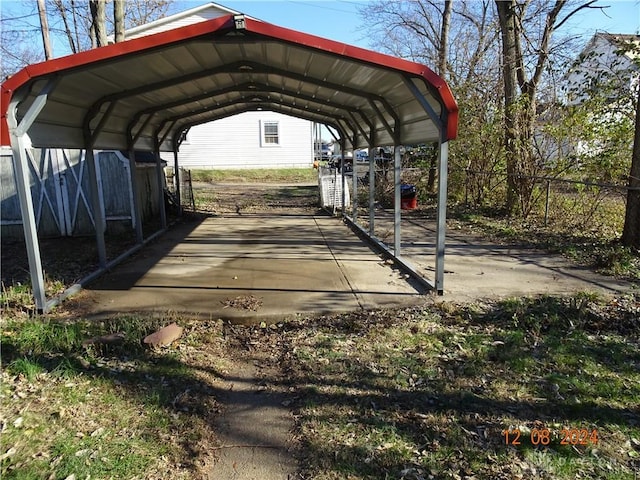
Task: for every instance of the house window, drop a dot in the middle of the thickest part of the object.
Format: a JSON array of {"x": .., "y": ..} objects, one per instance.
[{"x": 270, "y": 133}]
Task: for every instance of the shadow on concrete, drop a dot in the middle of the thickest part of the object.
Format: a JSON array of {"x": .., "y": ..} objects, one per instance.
[{"x": 285, "y": 265}]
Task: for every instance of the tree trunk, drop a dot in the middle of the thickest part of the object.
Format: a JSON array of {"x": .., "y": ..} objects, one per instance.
[
  {"x": 443, "y": 53},
  {"x": 508, "y": 26},
  {"x": 118, "y": 20},
  {"x": 44, "y": 28},
  {"x": 98, "y": 23},
  {"x": 75, "y": 25},
  {"x": 631, "y": 232},
  {"x": 67, "y": 28}
]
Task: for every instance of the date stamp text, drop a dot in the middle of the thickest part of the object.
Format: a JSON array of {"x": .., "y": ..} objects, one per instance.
[{"x": 544, "y": 436}]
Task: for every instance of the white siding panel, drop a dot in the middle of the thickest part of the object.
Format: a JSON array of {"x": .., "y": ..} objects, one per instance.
[
  {"x": 179, "y": 22},
  {"x": 234, "y": 142}
]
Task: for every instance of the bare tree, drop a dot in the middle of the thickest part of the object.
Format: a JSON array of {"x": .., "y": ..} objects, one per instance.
[
  {"x": 70, "y": 30},
  {"x": 139, "y": 12},
  {"x": 631, "y": 233},
  {"x": 524, "y": 62},
  {"x": 460, "y": 40},
  {"x": 19, "y": 38},
  {"x": 98, "y": 29},
  {"x": 118, "y": 20}
]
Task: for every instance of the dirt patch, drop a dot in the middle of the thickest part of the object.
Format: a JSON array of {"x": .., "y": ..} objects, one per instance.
[{"x": 221, "y": 198}]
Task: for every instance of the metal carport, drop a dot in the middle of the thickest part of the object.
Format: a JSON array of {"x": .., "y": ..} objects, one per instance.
[{"x": 144, "y": 94}]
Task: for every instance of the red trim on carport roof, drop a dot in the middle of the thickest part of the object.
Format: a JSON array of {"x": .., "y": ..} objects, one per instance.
[
  {"x": 96, "y": 55},
  {"x": 214, "y": 26},
  {"x": 367, "y": 56}
]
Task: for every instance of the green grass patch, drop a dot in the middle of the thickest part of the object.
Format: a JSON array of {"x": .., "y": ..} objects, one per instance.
[
  {"x": 267, "y": 175},
  {"x": 103, "y": 411}
]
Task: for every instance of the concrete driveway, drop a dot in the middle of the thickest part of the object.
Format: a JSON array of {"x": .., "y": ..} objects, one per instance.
[
  {"x": 253, "y": 266},
  {"x": 476, "y": 268}
]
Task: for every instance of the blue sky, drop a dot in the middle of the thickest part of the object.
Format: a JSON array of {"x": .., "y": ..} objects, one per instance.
[{"x": 339, "y": 19}]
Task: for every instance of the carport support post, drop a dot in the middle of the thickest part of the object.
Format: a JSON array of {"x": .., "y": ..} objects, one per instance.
[
  {"x": 372, "y": 190},
  {"x": 17, "y": 134},
  {"x": 397, "y": 217},
  {"x": 354, "y": 178},
  {"x": 98, "y": 213},
  {"x": 134, "y": 192},
  {"x": 443, "y": 160},
  {"x": 344, "y": 183},
  {"x": 176, "y": 180},
  {"x": 28, "y": 220},
  {"x": 159, "y": 175}
]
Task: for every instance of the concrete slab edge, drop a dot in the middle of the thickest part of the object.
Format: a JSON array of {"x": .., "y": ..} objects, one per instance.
[
  {"x": 400, "y": 262},
  {"x": 76, "y": 287}
]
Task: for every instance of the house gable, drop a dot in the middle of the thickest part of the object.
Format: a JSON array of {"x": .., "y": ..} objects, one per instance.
[
  {"x": 201, "y": 13},
  {"x": 606, "y": 56}
]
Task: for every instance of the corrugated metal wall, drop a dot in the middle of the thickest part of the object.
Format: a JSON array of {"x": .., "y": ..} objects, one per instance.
[{"x": 235, "y": 142}]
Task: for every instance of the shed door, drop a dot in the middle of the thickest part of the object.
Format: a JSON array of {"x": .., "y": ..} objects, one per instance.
[
  {"x": 115, "y": 197},
  {"x": 61, "y": 194}
]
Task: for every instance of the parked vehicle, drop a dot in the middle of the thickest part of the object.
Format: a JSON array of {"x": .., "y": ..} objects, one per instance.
[
  {"x": 362, "y": 156},
  {"x": 324, "y": 153},
  {"x": 335, "y": 160}
]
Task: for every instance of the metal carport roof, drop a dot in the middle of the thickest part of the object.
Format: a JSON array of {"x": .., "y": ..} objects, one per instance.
[
  {"x": 143, "y": 94},
  {"x": 159, "y": 85}
]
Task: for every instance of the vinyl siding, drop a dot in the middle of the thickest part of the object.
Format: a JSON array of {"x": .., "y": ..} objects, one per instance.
[
  {"x": 235, "y": 142},
  {"x": 188, "y": 17}
]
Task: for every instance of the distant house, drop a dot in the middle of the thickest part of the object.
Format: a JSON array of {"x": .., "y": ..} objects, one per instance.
[
  {"x": 607, "y": 75},
  {"x": 608, "y": 61},
  {"x": 260, "y": 139}
]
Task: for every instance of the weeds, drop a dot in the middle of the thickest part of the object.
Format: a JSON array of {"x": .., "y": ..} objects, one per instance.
[
  {"x": 408, "y": 393},
  {"x": 428, "y": 393}
]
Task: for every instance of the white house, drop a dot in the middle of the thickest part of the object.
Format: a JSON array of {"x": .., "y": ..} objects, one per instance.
[
  {"x": 260, "y": 139},
  {"x": 607, "y": 61},
  {"x": 608, "y": 71}
]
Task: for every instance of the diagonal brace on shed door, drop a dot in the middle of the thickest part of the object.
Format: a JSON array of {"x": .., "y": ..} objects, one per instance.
[{"x": 18, "y": 134}]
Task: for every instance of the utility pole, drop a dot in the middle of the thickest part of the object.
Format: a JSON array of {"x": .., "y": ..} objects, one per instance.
[{"x": 44, "y": 28}]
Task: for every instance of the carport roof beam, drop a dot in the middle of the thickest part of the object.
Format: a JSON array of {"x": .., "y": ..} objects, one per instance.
[
  {"x": 427, "y": 107},
  {"x": 319, "y": 105},
  {"x": 181, "y": 127},
  {"x": 197, "y": 51}
]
